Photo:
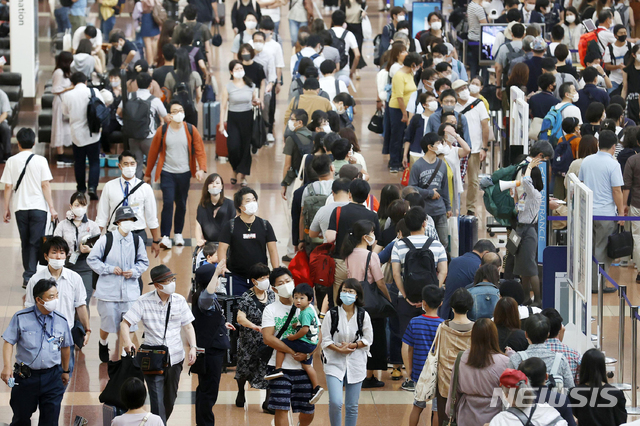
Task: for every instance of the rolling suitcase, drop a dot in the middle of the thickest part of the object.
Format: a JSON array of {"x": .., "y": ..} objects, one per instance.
[
  {"x": 211, "y": 111},
  {"x": 109, "y": 412},
  {"x": 221, "y": 13},
  {"x": 467, "y": 234},
  {"x": 221, "y": 143}
]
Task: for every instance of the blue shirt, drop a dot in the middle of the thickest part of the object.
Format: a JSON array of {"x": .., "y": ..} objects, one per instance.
[
  {"x": 433, "y": 124},
  {"x": 601, "y": 172},
  {"x": 461, "y": 272},
  {"x": 420, "y": 334},
  {"x": 535, "y": 70},
  {"x": 540, "y": 104},
  {"x": 79, "y": 8},
  {"x": 590, "y": 93},
  {"x": 117, "y": 288},
  {"x": 38, "y": 337},
  {"x": 414, "y": 133}
]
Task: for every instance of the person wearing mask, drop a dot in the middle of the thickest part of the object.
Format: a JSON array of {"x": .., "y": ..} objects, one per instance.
[
  {"x": 590, "y": 93},
  {"x": 320, "y": 224},
  {"x": 113, "y": 125},
  {"x": 164, "y": 314},
  {"x": 476, "y": 15},
  {"x": 271, "y": 49},
  {"x": 245, "y": 240},
  {"x": 614, "y": 57},
  {"x": 267, "y": 61},
  {"x": 338, "y": 19},
  {"x": 631, "y": 85},
  {"x": 427, "y": 79},
  {"x": 549, "y": 67},
  {"x": 254, "y": 70},
  {"x": 397, "y": 14},
  {"x": 124, "y": 53},
  {"x": 312, "y": 49},
  {"x": 142, "y": 66},
  {"x": 507, "y": 319},
  {"x": 244, "y": 35},
  {"x": 214, "y": 210},
  {"x": 118, "y": 266},
  {"x": 572, "y": 28},
  {"x": 570, "y": 96},
  {"x": 415, "y": 130},
  {"x": 544, "y": 100},
  {"x": 593, "y": 59},
  {"x": 328, "y": 82},
  {"x": 270, "y": 9},
  {"x": 448, "y": 99}
]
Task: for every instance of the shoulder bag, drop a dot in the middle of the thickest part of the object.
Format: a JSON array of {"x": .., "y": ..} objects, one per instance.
[
  {"x": 153, "y": 359},
  {"x": 375, "y": 303},
  {"x": 15, "y": 188},
  {"x": 454, "y": 383},
  {"x": 426, "y": 386},
  {"x": 265, "y": 351}
]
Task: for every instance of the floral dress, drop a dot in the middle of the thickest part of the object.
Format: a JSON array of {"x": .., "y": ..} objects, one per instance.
[{"x": 250, "y": 367}]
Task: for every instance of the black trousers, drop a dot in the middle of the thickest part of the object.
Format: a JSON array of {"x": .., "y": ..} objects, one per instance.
[
  {"x": 405, "y": 312},
  {"x": 5, "y": 140},
  {"x": 32, "y": 225},
  {"x": 142, "y": 233},
  {"x": 44, "y": 390},
  {"x": 208, "y": 385}
]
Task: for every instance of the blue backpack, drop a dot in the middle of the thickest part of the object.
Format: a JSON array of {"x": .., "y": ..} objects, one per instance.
[
  {"x": 485, "y": 296},
  {"x": 551, "y": 129},
  {"x": 296, "y": 74},
  {"x": 562, "y": 157}
]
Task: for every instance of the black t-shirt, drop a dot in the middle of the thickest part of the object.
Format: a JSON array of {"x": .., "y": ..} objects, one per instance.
[
  {"x": 388, "y": 235},
  {"x": 255, "y": 72},
  {"x": 515, "y": 339},
  {"x": 199, "y": 55},
  {"x": 350, "y": 214},
  {"x": 568, "y": 69},
  {"x": 117, "y": 56},
  {"x": 633, "y": 78},
  {"x": 159, "y": 74},
  {"x": 247, "y": 244},
  {"x": 212, "y": 225},
  {"x": 204, "y": 8}
]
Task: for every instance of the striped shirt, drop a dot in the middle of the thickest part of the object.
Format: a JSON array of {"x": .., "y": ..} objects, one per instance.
[
  {"x": 153, "y": 313},
  {"x": 420, "y": 334},
  {"x": 400, "y": 249},
  {"x": 475, "y": 13}
]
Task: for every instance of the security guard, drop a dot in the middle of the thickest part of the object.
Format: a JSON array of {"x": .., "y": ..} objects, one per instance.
[{"x": 41, "y": 371}]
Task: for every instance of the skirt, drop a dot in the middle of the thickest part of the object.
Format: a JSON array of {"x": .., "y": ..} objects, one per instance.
[
  {"x": 240, "y": 130},
  {"x": 526, "y": 259},
  {"x": 149, "y": 27},
  {"x": 378, "y": 349},
  {"x": 60, "y": 127}
]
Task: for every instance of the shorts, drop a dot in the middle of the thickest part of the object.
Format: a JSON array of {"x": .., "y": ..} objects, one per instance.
[
  {"x": 302, "y": 347},
  {"x": 423, "y": 404},
  {"x": 293, "y": 390},
  {"x": 111, "y": 314}
]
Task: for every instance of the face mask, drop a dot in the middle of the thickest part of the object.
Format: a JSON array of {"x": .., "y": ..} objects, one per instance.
[
  {"x": 115, "y": 83},
  {"x": 575, "y": 97},
  {"x": 570, "y": 19},
  {"x": 340, "y": 109},
  {"x": 178, "y": 117},
  {"x": 465, "y": 95},
  {"x": 432, "y": 106},
  {"x": 238, "y": 74},
  {"x": 258, "y": 47},
  {"x": 169, "y": 288},
  {"x": 127, "y": 226},
  {"x": 547, "y": 10},
  {"x": 348, "y": 298},
  {"x": 246, "y": 56},
  {"x": 450, "y": 138},
  {"x": 404, "y": 31},
  {"x": 474, "y": 89},
  {"x": 436, "y": 61},
  {"x": 286, "y": 290},
  {"x": 263, "y": 285},
  {"x": 215, "y": 191},
  {"x": 326, "y": 128},
  {"x": 51, "y": 305},
  {"x": 128, "y": 172},
  {"x": 369, "y": 240},
  {"x": 448, "y": 108},
  {"x": 622, "y": 38},
  {"x": 436, "y": 25},
  {"x": 448, "y": 76},
  {"x": 291, "y": 125},
  {"x": 56, "y": 264},
  {"x": 251, "y": 208},
  {"x": 79, "y": 211},
  {"x": 530, "y": 7},
  {"x": 401, "y": 18},
  {"x": 251, "y": 25},
  {"x": 444, "y": 149}
]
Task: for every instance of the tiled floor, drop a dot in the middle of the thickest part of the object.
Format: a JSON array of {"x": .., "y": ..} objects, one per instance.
[{"x": 384, "y": 406}]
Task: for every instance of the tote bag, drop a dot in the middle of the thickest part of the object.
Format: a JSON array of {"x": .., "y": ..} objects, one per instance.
[{"x": 426, "y": 386}]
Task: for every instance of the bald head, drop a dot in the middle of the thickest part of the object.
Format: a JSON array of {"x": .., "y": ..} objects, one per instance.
[
  {"x": 492, "y": 258},
  {"x": 408, "y": 190}
]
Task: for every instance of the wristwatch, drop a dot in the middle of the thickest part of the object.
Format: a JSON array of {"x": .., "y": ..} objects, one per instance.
[
  {"x": 485, "y": 149},
  {"x": 156, "y": 242},
  {"x": 66, "y": 372}
]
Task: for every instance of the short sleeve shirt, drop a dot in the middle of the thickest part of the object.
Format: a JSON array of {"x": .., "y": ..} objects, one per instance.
[
  {"x": 5, "y": 105},
  {"x": 402, "y": 85},
  {"x": 475, "y": 13},
  {"x": 307, "y": 318},
  {"x": 29, "y": 195},
  {"x": 247, "y": 244},
  {"x": 350, "y": 214},
  {"x": 400, "y": 249},
  {"x": 420, "y": 334},
  {"x": 501, "y": 57},
  {"x": 601, "y": 172}
]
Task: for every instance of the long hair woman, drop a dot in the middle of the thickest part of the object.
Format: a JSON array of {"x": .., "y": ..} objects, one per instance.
[
  {"x": 506, "y": 317},
  {"x": 60, "y": 130},
  {"x": 166, "y": 33},
  {"x": 631, "y": 84},
  {"x": 214, "y": 210}
]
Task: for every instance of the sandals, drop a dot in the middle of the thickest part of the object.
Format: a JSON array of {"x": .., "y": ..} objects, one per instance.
[{"x": 233, "y": 181}]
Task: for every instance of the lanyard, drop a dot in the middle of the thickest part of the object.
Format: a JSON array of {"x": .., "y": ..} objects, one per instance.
[
  {"x": 44, "y": 323},
  {"x": 131, "y": 185}
]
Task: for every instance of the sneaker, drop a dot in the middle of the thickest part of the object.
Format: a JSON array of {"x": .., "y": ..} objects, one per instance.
[
  {"x": 103, "y": 352},
  {"x": 372, "y": 382},
  {"x": 165, "y": 242},
  {"x": 178, "y": 240},
  {"x": 270, "y": 138},
  {"x": 470, "y": 213},
  {"x": 638, "y": 278},
  {"x": 409, "y": 385},
  {"x": 287, "y": 258},
  {"x": 276, "y": 374},
  {"x": 240, "y": 399},
  {"x": 394, "y": 170},
  {"x": 317, "y": 393},
  {"x": 396, "y": 374},
  {"x": 93, "y": 196},
  {"x": 266, "y": 409}
]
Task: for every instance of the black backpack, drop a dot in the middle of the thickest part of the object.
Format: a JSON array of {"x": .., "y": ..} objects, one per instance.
[
  {"x": 136, "y": 116},
  {"x": 562, "y": 156},
  {"x": 419, "y": 270},
  {"x": 340, "y": 44},
  {"x": 97, "y": 113},
  {"x": 182, "y": 93},
  {"x": 511, "y": 55},
  {"x": 107, "y": 248},
  {"x": 335, "y": 319}
]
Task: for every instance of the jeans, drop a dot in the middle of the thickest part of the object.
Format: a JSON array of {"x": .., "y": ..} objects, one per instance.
[
  {"x": 473, "y": 57},
  {"x": 352, "y": 394},
  {"x": 62, "y": 19},
  {"x": 163, "y": 390},
  {"x": 396, "y": 134},
  {"x": 80, "y": 153},
  {"x": 635, "y": 231},
  {"x": 31, "y": 227},
  {"x": 140, "y": 148},
  {"x": 107, "y": 25},
  {"x": 614, "y": 86},
  {"x": 5, "y": 140},
  {"x": 294, "y": 26},
  {"x": 175, "y": 189},
  {"x": 443, "y": 229},
  {"x": 276, "y": 28},
  {"x": 208, "y": 385}
]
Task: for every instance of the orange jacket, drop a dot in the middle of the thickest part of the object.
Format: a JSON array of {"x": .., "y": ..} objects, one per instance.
[{"x": 158, "y": 151}]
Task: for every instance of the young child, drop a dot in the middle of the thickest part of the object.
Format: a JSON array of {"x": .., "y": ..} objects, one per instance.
[
  {"x": 205, "y": 271},
  {"x": 417, "y": 342},
  {"x": 304, "y": 340}
]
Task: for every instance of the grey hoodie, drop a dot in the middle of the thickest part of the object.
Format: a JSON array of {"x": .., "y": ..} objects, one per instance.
[{"x": 84, "y": 63}]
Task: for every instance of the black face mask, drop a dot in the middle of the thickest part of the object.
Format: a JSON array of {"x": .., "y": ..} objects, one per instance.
[
  {"x": 246, "y": 56},
  {"x": 622, "y": 38}
]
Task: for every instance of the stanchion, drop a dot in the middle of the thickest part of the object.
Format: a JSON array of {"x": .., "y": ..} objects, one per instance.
[
  {"x": 622, "y": 290},
  {"x": 600, "y": 313},
  {"x": 634, "y": 409}
]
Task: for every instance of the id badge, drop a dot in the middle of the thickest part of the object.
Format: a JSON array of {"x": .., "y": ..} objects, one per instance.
[
  {"x": 249, "y": 236},
  {"x": 74, "y": 257},
  {"x": 521, "y": 205}
]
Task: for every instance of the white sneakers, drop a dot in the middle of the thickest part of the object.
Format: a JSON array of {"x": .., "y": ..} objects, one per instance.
[
  {"x": 165, "y": 242},
  {"x": 270, "y": 138},
  {"x": 179, "y": 241}
]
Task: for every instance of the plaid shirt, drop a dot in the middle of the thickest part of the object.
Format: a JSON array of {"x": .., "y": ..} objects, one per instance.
[
  {"x": 541, "y": 351},
  {"x": 572, "y": 355}
]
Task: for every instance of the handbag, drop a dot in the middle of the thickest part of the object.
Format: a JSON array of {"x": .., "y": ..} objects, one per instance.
[
  {"x": 367, "y": 31},
  {"x": 375, "y": 303},
  {"x": 620, "y": 244},
  {"x": 216, "y": 38},
  {"x": 208, "y": 95},
  {"x": 299, "y": 267},
  {"x": 153, "y": 359},
  {"x": 118, "y": 372},
  {"x": 200, "y": 366},
  {"x": 265, "y": 351},
  {"x": 514, "y": 239},
  {"x": 299, "y": 180},
  {"x": 426, "y": 386},
  {"x": 376, "y": 122},
  {"x": 405, "y": 177},
  {"x": 259, "y": 133},
  {"x": 454, "y": 383}
]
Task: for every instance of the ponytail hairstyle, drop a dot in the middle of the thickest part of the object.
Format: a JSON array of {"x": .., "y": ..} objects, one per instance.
[{"x": 358, "y": 230}]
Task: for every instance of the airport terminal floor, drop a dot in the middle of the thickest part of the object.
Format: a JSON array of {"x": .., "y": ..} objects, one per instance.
[{"x": 382, "y": 406}]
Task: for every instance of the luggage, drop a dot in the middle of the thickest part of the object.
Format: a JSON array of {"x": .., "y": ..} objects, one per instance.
[
  {"x": 221, "y": 143},
  {"x": 230, "y": 308},
  {"x": 118, "y": 371},
  {"x": 467, "y": 233},
  {"x": 109, "y": 412},
  {"x": 211, "y": 111}
]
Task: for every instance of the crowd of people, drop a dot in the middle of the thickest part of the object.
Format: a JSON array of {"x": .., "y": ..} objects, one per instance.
[{"x": 389, "y": 284}]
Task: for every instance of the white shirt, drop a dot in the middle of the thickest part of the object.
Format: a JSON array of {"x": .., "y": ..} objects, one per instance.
[
  {"x": 268, "y": 62},
  {"x": 475, "y": 116},
  {"x": 277, "y": 313},
  {"x": 328, "y": 84},
  {"x": 618, "y": 53},
  {"x": 143, "y": 203},
  {"x": 350, "y": 42},
  {"x": 71, "y": 292},
  {"x": 79, "y": 35},
  {"x": 157, "y": 109},
  {"x": 274, "y": 49},
  {"x": 355, "y": 363},
  {"x": 570, "y": 111},
  {"x": 153, "y": 313},
  {"x": 29, "y": 195},
  {"x": 606, "y": 37},
  {"x": 544, "y": 415},
  {"x": 306, "y": 52},
  {"x": 74, "y": 106}
]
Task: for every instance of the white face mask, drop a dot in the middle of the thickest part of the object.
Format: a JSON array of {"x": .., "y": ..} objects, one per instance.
[
  {"x": 178, "y": 117},
  {"x": 286, "y": 290},
  {"x": 570, "y": 19},
  {"x": 369, "y": 240},
  {"x": 56, "y": 264},
  {"x": 291, "y": 125},
  {"x": 444, "y": 149},
  {"x": 433, "y": 106},
  {"x": 115, "y": 83},
  {"x": 450, "y": 138},
  {"x": 251, "y": 25},
  {"x": 326, "y": 128},
  {"x": 547, "y": 10},
  {"x": 238, "y": 74},
  {"x": 127, "y": 226},
  {"x": 401, "y": 18},
  {"x": 79, "y": 212},
  {"x": 258, "y": 47},
  {"x": 474, "y": 89},
  {"x": 128, "y": 172},
  {"x": 530, "y": 7},
  {"x": 436, "y": 25},
  {"x": 215, "y": 191},
  {"x": 263, "y": 285},
  {"x": 436, "y": 61},
  {"x": 465, "y": 95},
  {"x": 575, "y": 97},
  {"x": 251, "y": 208},
  {"x": 169, "y": 288},
  {"x": 404, "y": 31},
  {"x": 51, "y": 305}
]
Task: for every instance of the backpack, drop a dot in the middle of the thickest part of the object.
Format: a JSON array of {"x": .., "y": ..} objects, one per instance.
[
  {"x": 625, "y": 58},
  {"x": 551, "y": 129},
  {"x": 340, "y": 44},
  {"x": 98, "y": 114},
  {"x": 511, "y": 55},
  {"x": 312, "y": 203},
  {"x": 377, "y": 52},
  {"x": 107, "y": 248},
  {"x": 623, "y": 10},
  {"x": 555, "y": 378},
  {"x": 335, "y": 319},
  {"x": 485, "y": 296},
  {"x": 499, "y": 203},
  {"x": 296, "y": 74},
  {"x": 182, "y": 93},
  {"x": 136, "y": 117},
  {"x": 419, "y": 269},
  {"x": 562, "y": 157},
  {"x": 589, "y": 39},
  {"x": 322, "y": 265}
]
